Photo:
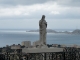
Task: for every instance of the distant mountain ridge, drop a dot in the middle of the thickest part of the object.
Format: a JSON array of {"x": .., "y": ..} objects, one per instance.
[
  {"x": 77, "y": 31},
  {"x": 48, "y": 30}
]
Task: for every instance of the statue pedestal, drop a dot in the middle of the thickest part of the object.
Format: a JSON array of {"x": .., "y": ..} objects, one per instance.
[{"x": 44, "y": 46}]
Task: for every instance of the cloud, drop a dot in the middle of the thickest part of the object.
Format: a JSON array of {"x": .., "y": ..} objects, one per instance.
[
  {"x": 20, "y": 2},
  {"x": 51, "y": 8},
  {"x": 70, "y": 3},
  {"x": 20, "y": 10},
  {"x": 54, "y": 12},
  {"x": 7, "y": 3}
]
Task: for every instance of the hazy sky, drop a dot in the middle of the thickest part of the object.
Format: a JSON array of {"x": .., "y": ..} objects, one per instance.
[{"x": 25, "y": 14}]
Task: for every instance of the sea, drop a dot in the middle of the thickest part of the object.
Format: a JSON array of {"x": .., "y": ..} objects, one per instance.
[{"x": 10, "y": 37}]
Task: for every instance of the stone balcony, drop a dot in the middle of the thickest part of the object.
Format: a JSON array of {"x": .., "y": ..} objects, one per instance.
[{"x": 39, "y": 50}]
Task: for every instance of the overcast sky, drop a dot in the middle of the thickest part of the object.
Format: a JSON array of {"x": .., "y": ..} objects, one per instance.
[{"x": 25, "y": 14}]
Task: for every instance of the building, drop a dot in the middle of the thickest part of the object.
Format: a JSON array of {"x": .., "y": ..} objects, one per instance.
[
  {"x": 26, "y": 44},
  {"x": 16, "y": 48},
  {"x": 36, "y": 43}
]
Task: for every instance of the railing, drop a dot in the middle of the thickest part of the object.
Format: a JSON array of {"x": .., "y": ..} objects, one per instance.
[
  {"x": 67, "y": 54},
  {"x": 72, "y": 53},
  {"x": 45, "y": 56}
]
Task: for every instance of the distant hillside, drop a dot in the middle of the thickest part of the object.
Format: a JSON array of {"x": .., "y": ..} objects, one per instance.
[
  {"x": 33, "y": 31},
  {"x": 77, "y": 31},
  {"x": 48, "y": 30},
  {"x": 51, "y": 31}
]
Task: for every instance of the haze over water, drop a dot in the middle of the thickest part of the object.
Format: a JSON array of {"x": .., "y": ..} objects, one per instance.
[{"x": 9, "y": 37}]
